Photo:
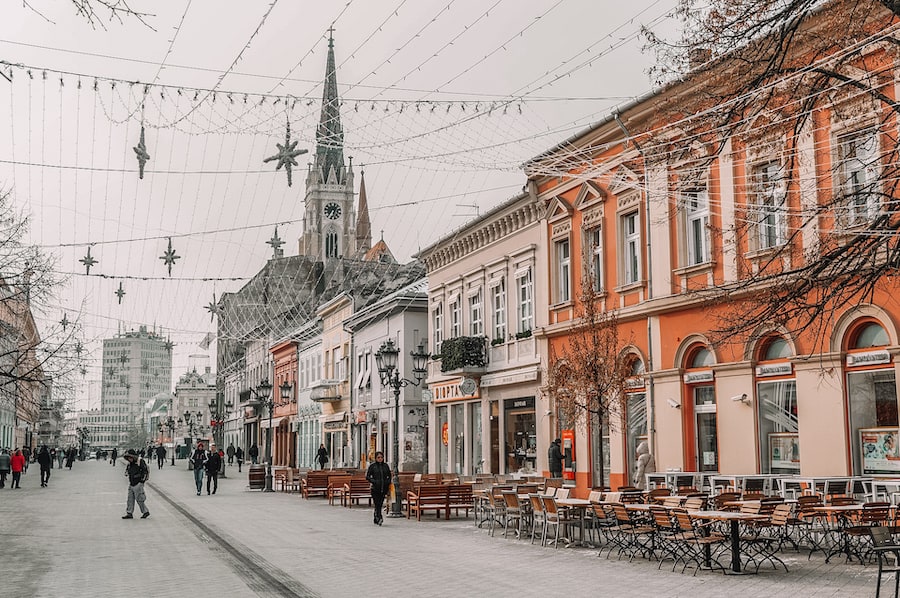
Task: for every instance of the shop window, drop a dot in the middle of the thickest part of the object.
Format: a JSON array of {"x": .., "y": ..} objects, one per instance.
[
  {"x": 636, "y": 419},
  {"x": 477, "y": 436}
]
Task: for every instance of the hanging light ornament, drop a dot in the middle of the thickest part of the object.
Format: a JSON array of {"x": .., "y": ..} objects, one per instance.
[
  {"x": 286, "y": 154},
  {"x": 142, "y": 156},
  {"x": 169, "y": 257}
]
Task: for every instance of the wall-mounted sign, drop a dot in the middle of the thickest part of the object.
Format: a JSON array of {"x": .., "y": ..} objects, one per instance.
[
  {"x": 427, "y": 397},
  {"x": 868, "y": 358},
  {"x": 699, "y": 376},
  {"x": 523, "y": 403},
  {"x": 467, "y": 386},
  {"x": 774, "y": 369}
]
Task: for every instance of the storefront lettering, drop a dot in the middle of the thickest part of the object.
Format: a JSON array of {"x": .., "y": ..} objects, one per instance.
[
  {"x": 774, "y": 369},
  {"x": 694, "y": 377},
  {"x": 868, "y": 358}
]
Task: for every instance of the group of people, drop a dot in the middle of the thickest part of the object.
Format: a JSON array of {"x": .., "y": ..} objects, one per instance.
[{"x": 16, "y": 462}]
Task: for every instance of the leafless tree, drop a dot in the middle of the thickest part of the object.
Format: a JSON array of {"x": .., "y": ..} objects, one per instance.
[
  {"x": 757, "y": 72},
  {"x": 98, "y": 12},
  {"x": 586, "y": 377}
]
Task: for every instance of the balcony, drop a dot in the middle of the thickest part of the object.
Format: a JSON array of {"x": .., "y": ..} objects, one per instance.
[
  {"x": 326, "y": 390},
  {"x": 464, "y": 355}
]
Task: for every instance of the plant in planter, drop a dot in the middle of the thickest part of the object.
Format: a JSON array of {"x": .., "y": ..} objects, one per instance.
[
  {"x": 463, "y": 351},
  {"x": 524, "y": 334},
  {"x": 497, "y": 341}
]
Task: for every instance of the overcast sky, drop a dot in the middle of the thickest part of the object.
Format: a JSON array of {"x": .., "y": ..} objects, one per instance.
[{"x": 442, "y": 101}]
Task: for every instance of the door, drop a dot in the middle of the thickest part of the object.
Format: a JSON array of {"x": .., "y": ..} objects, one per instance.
[{"x": 705, "y": 429}]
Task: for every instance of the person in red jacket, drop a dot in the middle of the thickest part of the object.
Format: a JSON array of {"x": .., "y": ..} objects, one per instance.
[{"x": 17, "y": 464}]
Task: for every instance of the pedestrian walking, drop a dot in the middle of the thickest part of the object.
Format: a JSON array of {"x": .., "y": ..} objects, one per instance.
[
  {"x": 239, "y": 455},
  {"x": 5, "y": 466},
  {"x": 52, "y": 457},
  {"x": 17, "y": 464},
  {"x": 160, "y": 456},
  {"x": 254, "y": 453},
  {"x": 46, "y": 462},
  {"x": 70, "y": 457},
  {"x": 60, "y": 456},
  {"x": 322, "y": 456},
  {"x": 555, "y": 459},
  {"x": 230, "y": 453},
  {"x": 115, "y": 455},
  {"x": 379, "y": 476},
  {"x": 213, "y": 463},
  {"x": 137, "y": 473},
  {"x": 26, "y": 452},
  {"x": 198, "y": 462}
]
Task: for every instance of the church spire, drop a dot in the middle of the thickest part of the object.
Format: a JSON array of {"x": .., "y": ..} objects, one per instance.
[
  {"x": 330, "y": 135},
  {"x": 363, "y": 226}
]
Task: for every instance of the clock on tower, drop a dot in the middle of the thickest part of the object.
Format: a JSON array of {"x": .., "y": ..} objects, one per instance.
[{"x": 332, "y": 211}]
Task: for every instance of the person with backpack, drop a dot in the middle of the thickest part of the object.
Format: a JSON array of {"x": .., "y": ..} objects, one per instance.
[{"x": 137, "y": 473}]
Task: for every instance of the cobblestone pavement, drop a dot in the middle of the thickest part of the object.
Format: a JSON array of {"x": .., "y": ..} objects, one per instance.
[{"x": 68, "y": 540}]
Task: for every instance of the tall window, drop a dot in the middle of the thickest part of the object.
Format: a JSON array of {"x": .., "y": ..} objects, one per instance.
[
  {"x": 476, "y": 315},
  {"x": 526, "y": 302},
  {"x": 858, "y": 163},
  {"x": 498, "y": 306},
  {"x": 437, "y": 320},
  {"x": 562, "y": 249},
  {"x": 331, "y": 244},
  {"x": 771, "y": 211},
  {"x": 455, "y": 318},
  {"x": 630, "y": 248},
  {"x": 593, "y": 246},
  {"x": 695, "y": 204}
]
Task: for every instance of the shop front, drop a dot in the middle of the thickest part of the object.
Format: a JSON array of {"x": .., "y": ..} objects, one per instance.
[{"x": 336, "y": 433}]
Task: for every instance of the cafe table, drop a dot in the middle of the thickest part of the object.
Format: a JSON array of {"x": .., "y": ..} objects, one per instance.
[
  {"x": 579, "y": 506},
  {"x": 840, "y": 515},
  {"x": 735, "y": 519}
]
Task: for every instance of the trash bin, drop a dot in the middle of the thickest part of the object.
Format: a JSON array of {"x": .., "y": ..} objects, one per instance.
[{"x": 257, "y": 477}]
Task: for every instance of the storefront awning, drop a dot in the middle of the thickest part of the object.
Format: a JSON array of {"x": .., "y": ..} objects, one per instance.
[
  {"x": 264, "y": 423},
  {"x": 335, "y": 417}
]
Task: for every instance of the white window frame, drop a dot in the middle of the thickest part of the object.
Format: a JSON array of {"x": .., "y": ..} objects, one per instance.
[
  {"x": 437, "y": 322},
  {"x": 695, "y": 207},
  {"x": 525, "y": 298},
  {"x": 476, "y": 314},
  {"x": 630, "y": 248},
  {"x": 860, "y": 203},
  {"x": 498, "y": 310},
  {"x": 593, "y": 247},
  {"x": 770, "y": 203},
  {"x": 562, "y": 253},
  {"x": 455, "y": 317}
]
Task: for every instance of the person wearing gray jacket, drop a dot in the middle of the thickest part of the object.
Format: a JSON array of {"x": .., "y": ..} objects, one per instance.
[{"x": 5, "y": 466}]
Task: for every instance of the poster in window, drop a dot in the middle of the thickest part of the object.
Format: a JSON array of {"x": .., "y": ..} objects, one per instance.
[
  {"x": 880, "y": 453},
  {"x": 784, "y": 452}
]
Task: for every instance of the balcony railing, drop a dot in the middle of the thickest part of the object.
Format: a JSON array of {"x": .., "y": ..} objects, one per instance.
[{"x": 464, "y": 354}]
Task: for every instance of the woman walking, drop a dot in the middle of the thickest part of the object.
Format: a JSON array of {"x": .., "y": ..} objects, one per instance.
[
  {"x": 17, "y": 462},
  {"x": 379, "y": 476}
]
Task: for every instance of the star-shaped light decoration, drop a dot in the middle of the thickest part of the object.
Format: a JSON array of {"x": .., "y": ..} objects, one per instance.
[
  {"x": 124, "y": 358},
  {"x": 169, "y": 257},
  {"x": 83, "y": 371},
  {"x": 88, "y": 261},
  {"x": 120, "y": 292},
  {"x": 275, "y": 242},
  {"x": 286, "y": 154},
  {"x": 79, "y": 348},
  {"x": 65, "y": 321},
  {"x": 142, "y": 156},
  {"x": 169, "y": 345},
  {"x": 213, "y": 308}
]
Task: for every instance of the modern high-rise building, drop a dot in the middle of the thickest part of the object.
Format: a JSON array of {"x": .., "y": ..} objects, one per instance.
[{"x": 137, "y": 365}]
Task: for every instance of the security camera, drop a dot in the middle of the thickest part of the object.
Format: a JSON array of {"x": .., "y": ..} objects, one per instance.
[
  {"x": 741, "y": 397},
  {"x": 673, "y": 403},
  {"x": 548, "y": 412}
]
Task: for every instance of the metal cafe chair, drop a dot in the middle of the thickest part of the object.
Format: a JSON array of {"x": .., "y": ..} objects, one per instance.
[{"x": 885, "y": 549}]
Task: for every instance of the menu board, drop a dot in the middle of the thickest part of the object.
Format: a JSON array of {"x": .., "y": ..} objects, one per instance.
[
  {"x": 784, "y": 452},
  {"x": 879, "y": 450}
]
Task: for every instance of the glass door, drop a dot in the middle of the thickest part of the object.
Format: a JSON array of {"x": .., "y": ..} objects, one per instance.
[{"x": 705, "y": 427}]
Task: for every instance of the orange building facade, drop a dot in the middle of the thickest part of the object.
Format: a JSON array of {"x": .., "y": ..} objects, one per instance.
[{"x": 653, "y": 226}]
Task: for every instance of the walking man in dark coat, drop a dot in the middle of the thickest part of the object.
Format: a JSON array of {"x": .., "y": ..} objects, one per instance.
[
  {"x": 555, "y": 459},
  {"x": 239, "y": 455},
  {"x": 213, "y": 463},
  {"x": 254, "y": 453},
  {"x": 160, "y": 456},
  {"x": 46, "y": 462},
  {"x": 137, "y": 473},
  {"x": 379, "y": 476}
]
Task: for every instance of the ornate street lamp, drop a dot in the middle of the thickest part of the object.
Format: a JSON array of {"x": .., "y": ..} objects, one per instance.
[
  {"x": 264, "y": 393},
  {"x": 386, "y": 358}
]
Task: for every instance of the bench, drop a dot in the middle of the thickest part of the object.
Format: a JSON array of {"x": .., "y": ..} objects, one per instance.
[
  {"x": 336, "y": 487},
  {"x": 315, "y": 484},
  {"x": 427, "y": 498},
  {"x": 460, "y": 496},
  {"x": 356, "y": 489}
]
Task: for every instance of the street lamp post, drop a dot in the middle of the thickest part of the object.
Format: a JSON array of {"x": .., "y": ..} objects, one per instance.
[
  {"x": 386, "y": 358},
  {"x": 264, "y": 394},
  {"x": 192, "y": 420},
  {"x": 83, "y": 433},
  {"x": 170, "y": 426},
  {"x": 217, "y": 421}
]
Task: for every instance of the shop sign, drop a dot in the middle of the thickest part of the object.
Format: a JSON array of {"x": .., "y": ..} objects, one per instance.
[
  {"x": 868, "y": 358},
  {"x": 524, "y": 403},
  {"x": 634, "y": 382},
  {"x": 361, "y": 417},
  {"x": 702, "y": 376},
  {"x": 529, "y": 375},
  {"x": 774, "y": 369}
]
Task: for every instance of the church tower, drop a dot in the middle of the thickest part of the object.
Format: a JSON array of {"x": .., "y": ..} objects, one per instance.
[{"x": 330, "y": 216}]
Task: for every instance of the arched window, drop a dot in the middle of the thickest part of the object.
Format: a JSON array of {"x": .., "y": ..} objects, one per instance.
[
  {"x": 776, "y": 348},
  {"x": 635, "y": 411},
  {"x": 869, "y": 335},
  {"x": 776, "y": 406},
  {"x": 702, "y": 358},
  {"x": 331, "y": 244}
]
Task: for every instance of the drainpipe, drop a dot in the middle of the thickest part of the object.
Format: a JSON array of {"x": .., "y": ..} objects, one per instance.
[{"x": 650, "y": 393}]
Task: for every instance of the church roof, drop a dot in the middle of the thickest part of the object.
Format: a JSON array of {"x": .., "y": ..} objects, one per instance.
[
  {"x": 379, "y": 253},
  {"x": 330, "y": 134},
  {"x": 363, "y": 225}
]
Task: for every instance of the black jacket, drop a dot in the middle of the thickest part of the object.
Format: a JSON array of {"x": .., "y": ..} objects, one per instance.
[
  {"x": 379, "y": 475},
  {"x": 199, "y": 458},
  {"x": 555, "y": 457},
  {"x": 213, "y": 462},
  {"x": 137, "y": 472},
  {"x": 44, "y": 459}
]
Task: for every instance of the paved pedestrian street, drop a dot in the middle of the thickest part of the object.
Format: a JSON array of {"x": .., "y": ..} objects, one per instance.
[{"x": 68, "y": 540}]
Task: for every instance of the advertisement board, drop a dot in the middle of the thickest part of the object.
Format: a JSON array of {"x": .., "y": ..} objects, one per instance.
[
  {"x": 784, "y": 452},
  {"x": 879, "y": 450}
]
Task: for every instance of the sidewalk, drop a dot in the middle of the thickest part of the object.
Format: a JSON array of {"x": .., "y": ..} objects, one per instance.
[{"x": 69, "y": 540}]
